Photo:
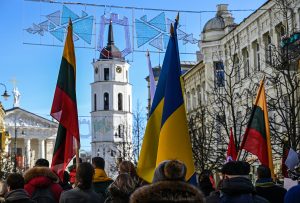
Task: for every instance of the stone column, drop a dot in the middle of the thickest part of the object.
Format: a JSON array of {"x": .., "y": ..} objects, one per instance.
[
  {"x": 41, "y": 148},
  {"x": 28, "y": 153}
]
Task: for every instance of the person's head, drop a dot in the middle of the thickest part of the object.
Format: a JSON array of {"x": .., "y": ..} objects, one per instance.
[
  {"x": 84, "y": 175},
  {"x": 74, "y": 161},
  {"x": 15, "y": 181},
  {"x": 204, "y": 175},
  {"x": 170, "y": 170},
  {"x": 42, "y": 163},
  {"x": 127, "y": 167},
  {"x": 3, "y": 188},
  {"x": 124, "y": 183},
  {"x": 263, "y": 172},
  {"x": 98, "y": 162},
  {"x": 235, "y": 169}
]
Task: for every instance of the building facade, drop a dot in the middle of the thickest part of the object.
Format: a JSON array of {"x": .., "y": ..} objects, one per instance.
[
  {"x": 239, "y": 53},
  {"x": 31, "y": 137},
  {"x": 111, "y": 113}
]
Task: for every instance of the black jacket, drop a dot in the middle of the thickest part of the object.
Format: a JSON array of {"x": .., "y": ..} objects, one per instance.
[
  {"x": 271, "y": 192},
  {"x": 18, "y": 196},
  {"x": 237, "y": 190},
  {"x": 80, "y": 196}
]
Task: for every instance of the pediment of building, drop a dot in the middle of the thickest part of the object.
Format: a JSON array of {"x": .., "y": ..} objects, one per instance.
[{"x": 34, "y": 125}]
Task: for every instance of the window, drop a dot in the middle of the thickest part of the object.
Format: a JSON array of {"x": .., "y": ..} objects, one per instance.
[
  {"x": 120, "y": 102},
  {"x": 188, "y": 101},
  {"x": 268, "y": 46},
  {"x": 106, "y": 73},
  {"x": 126, "y": 76},
  {"x": 121, "y": 130},
  {"x": 256, "y": 56},
  {"x": 220, "y": 119},
  {"x": 219, "y": 74},
  {"x": 246, "y": 63},
  {"x": 194, "y": 99},
  {"x": 236, "y": 66},
  {"x": 106, "y": 101},
  {"x": 199, "y": 94},
  {"x": 95, "y": 102}
]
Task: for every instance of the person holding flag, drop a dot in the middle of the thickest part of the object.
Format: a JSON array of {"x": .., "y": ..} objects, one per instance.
[
  {"x": 64, "y": 109},
  {"x": 166, "y": 136},
  {"x": 257, "y": 136}
]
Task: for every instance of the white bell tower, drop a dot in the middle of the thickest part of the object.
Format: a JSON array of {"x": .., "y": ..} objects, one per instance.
[{"x": 111, "y": 112}]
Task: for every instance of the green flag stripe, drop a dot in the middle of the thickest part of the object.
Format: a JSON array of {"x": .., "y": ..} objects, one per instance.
[
  {"x": 61, "y": 136},
  {"x": 257, "y": 121},
  {"x": 66, "y": 79}
]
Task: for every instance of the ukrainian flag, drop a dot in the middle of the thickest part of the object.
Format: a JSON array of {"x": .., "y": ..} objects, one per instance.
[{"x": 166, "y": 136}]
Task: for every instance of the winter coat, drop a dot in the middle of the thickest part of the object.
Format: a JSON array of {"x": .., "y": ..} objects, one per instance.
[
  {"x": 18, "y": 196},
  {"x": 268, "y": 190},
  {"x": 206, "y": 187},
  {"x": 42, "y": 177},
  {"x": 78, "y": 195},
  {"x": 167, "y": 191},
  {"x": 101, "y": 182},
  {"x": 292, "y": 195},
  {"x": 237, "y": 190}
]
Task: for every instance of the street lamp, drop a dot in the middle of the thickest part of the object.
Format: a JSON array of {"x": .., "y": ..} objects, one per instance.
[{"x": 5, "y": 95}]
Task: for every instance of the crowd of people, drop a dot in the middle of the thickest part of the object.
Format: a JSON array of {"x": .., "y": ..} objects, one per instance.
[{"x": 89, "y": 183}]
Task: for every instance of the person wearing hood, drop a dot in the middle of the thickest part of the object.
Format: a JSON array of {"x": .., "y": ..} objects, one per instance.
[
  {"x": 42, "y": 178},
  {"x": 236, "y": 186},
  {"x": 16, "y": 192},
  {"x": 100, "y": 179},
  {"x": 120, "y": 190},
  {"x": 168, "y": 185},
  {"x": 266, "y": 188}
]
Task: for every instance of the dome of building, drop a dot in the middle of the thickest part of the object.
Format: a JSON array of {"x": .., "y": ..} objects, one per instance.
[
  {"x": 111, "y": 51},
  {"x": 216, "y": 23}
]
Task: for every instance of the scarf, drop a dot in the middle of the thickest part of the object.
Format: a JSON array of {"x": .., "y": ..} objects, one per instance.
[
  {"x": 100, "y": 176},
  {"x": 264, "y": 182}
]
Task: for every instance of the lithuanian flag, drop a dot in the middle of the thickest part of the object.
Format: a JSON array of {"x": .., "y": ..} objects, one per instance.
[
  {"x": 257, "y": 136},
  {"x": 64, "y": 109}
]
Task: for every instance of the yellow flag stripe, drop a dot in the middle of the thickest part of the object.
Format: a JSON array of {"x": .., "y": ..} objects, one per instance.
[
  {"x": 148, "y": 154},
  {"x": 174, "y": 141},
  {"x": 69, "y": 52}
]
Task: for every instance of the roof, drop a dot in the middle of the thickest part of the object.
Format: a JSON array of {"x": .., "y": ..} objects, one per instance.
[
  {"x": 40, "y": 117},
  {"x": 216, "y": 23},
  {"x": 111, "y": 51}
]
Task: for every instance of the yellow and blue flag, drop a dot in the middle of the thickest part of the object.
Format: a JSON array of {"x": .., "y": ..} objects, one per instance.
[{"x": 166, "y": 136}]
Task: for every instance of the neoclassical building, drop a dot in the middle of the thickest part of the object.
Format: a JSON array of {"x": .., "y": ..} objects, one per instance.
[
  {"x": 31, "y": 136},
  {"x": 111, "y": 113}
]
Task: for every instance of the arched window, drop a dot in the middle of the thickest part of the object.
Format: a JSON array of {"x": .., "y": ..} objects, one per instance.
[
  {"x": 95, "y": 102},
  {"x": 120, "y": 102},
  {"x": 106, "y": 101}
]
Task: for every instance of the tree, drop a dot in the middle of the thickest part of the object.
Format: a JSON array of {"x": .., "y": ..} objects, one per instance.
[
  {"x": 205, "y": 154},
  {"x": 231, "y": 93},
  {"x": 283, "y": 61},
  {"x": 138, "y": 130}
]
